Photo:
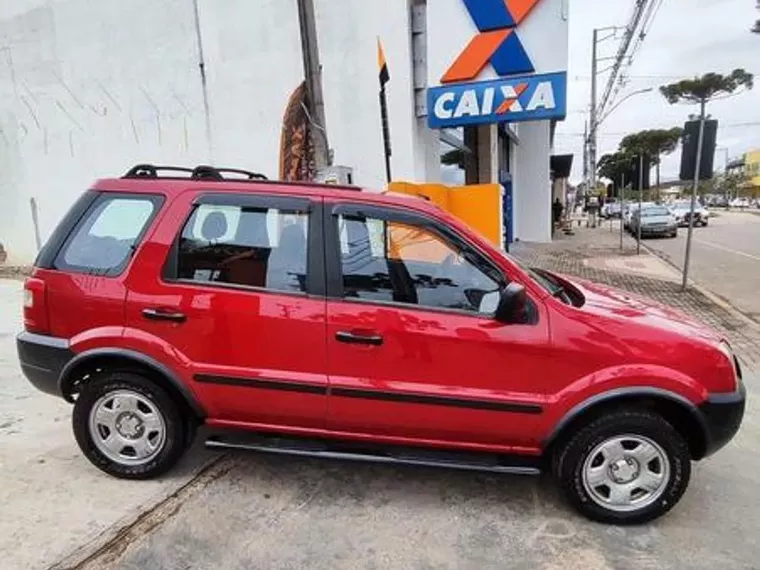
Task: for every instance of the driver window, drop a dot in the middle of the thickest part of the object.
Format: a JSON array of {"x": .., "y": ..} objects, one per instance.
[{"x": 397, "y": 262}]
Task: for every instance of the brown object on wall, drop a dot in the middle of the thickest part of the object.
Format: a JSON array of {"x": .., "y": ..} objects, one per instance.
[{"x": 296, "y": 144}]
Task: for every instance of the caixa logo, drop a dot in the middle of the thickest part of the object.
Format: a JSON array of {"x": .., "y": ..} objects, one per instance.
[
  {"x": 510, "y": 99},
  {"x": 527, "y": 98}
]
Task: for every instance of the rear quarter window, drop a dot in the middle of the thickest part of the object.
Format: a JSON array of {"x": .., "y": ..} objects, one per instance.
[{"x": 106, "y": 236}]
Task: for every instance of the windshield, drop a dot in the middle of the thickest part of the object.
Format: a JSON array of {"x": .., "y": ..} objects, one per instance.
[{"x": 656, "y": 211}]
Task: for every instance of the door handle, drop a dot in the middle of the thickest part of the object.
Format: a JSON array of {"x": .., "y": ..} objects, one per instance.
[
  {"x": 160, "y": 315},
  {"x": 351, "y": 338}
]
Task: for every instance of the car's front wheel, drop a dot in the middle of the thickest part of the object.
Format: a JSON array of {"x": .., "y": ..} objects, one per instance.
[
  {"x": 128, "y": 426},
  {"x": 626, "y": 467}
]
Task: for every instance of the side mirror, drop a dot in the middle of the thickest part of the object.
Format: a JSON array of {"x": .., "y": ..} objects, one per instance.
[{"x": 512, "y": 303}]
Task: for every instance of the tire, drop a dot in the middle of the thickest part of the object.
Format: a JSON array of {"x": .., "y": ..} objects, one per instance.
[
  {"x": 143, "y": 403},
  {"x": 655, "y": 436}
]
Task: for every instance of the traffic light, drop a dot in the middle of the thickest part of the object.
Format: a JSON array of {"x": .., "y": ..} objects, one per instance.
[{"x": 689, "y": 150}]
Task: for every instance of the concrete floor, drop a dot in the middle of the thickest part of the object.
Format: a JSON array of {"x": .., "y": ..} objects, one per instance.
[
  {"x": 52, "y": 501},
  {"x": 276, "y": 513},
  {"x": 271, "y": 512}
]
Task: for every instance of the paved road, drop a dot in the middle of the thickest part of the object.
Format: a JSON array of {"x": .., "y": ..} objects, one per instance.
[{"x": 725, "y": 258}]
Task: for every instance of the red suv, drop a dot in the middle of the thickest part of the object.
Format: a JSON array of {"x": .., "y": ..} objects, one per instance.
[{"x": 327, "y": 321}]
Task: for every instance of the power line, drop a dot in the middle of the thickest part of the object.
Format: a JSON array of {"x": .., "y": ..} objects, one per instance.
[{"x": 722, "y": 126}]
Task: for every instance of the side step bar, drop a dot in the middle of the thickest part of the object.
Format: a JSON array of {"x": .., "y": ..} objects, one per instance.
[{"x": 468, "y": 461}]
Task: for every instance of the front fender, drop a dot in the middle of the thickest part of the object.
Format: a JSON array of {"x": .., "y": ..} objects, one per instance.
[{"x": 622, "y": 382}]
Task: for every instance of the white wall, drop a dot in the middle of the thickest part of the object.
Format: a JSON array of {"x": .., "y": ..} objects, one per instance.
[
  {"x": 89, "y": 88},
  {"x": 532, "y": 187}
]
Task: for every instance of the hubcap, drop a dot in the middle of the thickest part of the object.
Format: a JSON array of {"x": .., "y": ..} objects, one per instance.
[
  {"x": 626, "y": 473},
  {"x": 127, "y": 427}
]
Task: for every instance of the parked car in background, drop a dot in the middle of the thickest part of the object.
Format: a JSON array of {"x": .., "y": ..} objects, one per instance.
[
  {"x": 322, "y": 320},
  {"x": 740, "y": 203},
  {"x": 682, "y": 211},
  {"x": 628, "y": 211},
  {"x": 654, "y": 221},
  {"x": 611, "y": 210}
]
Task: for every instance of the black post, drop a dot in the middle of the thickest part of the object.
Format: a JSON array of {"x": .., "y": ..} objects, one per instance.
[
  {"x": 641, "y": 195},
  {"x": 386, "y": 133}
]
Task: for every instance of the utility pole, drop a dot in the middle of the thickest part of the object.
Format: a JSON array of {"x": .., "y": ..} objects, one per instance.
[
  {"x": 641, "y": 196},
  {"x": 697, "y": 168},
  {"x": 622, "y": 206},
  {"x": 313, "y": 73},
  {"x": 593, "y": 116}
]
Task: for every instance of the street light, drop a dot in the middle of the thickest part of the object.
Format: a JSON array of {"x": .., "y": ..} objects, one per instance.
[{"x": 623, "y": 100}]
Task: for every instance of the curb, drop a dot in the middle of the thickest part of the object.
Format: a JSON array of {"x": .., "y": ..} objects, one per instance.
[
  {"x": 722, "y": 303},
  {"x": 112, "y": 542}
]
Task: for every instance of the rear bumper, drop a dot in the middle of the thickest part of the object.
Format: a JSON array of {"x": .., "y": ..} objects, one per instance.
[
  {"x": 42, "y": 359},
  {"x": 722, "y": 415}
]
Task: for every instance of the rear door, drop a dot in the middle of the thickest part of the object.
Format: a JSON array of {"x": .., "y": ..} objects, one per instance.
[{"x": 238, "y": 304}]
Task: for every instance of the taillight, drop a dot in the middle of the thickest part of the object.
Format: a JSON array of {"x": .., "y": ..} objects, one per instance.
[{"x": 35, "y": 306}]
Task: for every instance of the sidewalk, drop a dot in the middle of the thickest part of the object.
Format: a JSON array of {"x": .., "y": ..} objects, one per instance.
[{"x": 595, "y": 254}]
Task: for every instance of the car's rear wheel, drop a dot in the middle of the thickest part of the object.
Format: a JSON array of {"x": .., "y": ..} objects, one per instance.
[
  {"x": 626, "y": 467},
  {"x": 128, "y": 427}
]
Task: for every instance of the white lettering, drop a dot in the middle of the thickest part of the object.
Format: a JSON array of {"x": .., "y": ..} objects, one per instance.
[
  {"x": 542, "y": 97},
  {"x": 488, "y": 94},
  {"x": 468, "y": 105},
  {"x": 508, "y": 91},
  {"x": 441, "y": 110}
]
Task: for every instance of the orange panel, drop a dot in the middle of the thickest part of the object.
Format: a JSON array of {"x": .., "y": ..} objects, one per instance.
[
  {"x": 520, "y": 8},
  {"x": 475, "y": 56}
]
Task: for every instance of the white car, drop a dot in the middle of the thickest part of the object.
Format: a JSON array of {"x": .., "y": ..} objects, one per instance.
[
  {"x": 630, "y": 209},
  {"x": 740, "y": 203},
  {"x": 682, "y": 208},
  {"x": 654, "y": 221}
]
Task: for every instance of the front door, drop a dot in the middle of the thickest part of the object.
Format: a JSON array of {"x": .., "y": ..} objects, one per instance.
[
  {"x": 413, "y": 349},
  {"x": 240, "y": 308}
]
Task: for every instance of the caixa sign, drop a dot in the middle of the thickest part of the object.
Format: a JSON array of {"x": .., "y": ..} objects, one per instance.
[{"x": 508, "y": 100}]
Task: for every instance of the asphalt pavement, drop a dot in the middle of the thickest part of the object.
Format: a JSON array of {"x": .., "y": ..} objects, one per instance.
[{"x": 725, "y": 258}]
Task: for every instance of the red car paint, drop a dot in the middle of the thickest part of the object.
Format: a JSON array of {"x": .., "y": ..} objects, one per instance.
[{"x": 568, "y": 357}]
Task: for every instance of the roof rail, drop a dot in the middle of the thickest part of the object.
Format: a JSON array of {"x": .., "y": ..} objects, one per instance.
[{"x": 202, "y": 172}]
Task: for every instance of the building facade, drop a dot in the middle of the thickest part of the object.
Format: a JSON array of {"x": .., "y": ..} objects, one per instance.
[{"x": 88, "y": 89}]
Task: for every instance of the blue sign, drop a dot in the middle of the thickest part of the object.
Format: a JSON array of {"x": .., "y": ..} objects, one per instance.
[{"x": 523, "y": 98}]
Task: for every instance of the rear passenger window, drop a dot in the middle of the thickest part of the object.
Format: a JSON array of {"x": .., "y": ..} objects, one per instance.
[
  {"x": 108, "y": 234},
  {"x": 253, "y": 247}
]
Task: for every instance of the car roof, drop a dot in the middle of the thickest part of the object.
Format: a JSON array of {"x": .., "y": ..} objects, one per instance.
[{"x": 175, "y": 186}]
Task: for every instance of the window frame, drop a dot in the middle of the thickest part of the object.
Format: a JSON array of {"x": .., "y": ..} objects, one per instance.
[
  {"x": 315, "y": 268},
  {"x": 334, "y": 265},
  {"x": 58, "y": 261}
]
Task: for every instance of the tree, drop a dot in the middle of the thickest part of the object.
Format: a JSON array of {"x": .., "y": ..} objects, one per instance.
[
  {"x": 653, "y": 143},
  {"x": 616, "y": 167},
  {"x": 706, "y": 88},
  {"x": 702, "y": 90}
]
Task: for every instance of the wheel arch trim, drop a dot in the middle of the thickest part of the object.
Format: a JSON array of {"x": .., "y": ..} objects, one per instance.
[
  {"x": 139, "y": 358},
  {"x": 622, "y": 394}
]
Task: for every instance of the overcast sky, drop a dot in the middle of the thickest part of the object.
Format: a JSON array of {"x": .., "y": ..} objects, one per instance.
[{"x": 687, "y": 38}]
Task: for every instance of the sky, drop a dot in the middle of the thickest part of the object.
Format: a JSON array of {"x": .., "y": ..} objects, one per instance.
[{"x": 686, "y": 38}]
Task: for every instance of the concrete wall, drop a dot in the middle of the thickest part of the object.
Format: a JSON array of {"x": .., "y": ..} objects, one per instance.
[
  {"x": 89, "y": 88},
  {"x": 532, "y": 185}
]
